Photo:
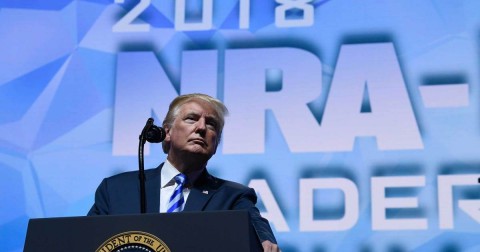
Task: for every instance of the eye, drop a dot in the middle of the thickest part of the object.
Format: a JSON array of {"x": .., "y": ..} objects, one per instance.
[
  {"x": 190, "y": 119},
  {"x": 212, "y": 124}
]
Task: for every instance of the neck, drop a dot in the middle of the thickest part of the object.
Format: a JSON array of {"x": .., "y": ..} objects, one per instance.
[{"x": 186, "y": 165}]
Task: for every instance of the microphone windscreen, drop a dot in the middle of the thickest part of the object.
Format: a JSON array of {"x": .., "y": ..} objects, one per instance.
[{"x": 155, "y": 134}]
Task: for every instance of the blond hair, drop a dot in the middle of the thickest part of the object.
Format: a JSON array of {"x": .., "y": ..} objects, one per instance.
[{"x": 219, "y": 108}]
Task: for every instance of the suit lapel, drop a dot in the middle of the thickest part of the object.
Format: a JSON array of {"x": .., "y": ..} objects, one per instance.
[
  {"x": 152, "y": 188},
  {"x": 201, "y": 192}
]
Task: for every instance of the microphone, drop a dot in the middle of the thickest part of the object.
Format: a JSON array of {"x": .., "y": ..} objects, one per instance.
[
  {"x": 152, "y": 133},
  {"x": 155, "y": 134}
]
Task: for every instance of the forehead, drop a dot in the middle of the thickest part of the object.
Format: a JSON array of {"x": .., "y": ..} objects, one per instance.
[{"x": 197, "y": 106}]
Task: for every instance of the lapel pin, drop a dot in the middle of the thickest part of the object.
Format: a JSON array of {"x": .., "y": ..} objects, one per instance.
[{"x": 205, "y": 192}]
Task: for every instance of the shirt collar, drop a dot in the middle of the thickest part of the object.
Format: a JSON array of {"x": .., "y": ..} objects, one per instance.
[{"x": 168, "y": 172}]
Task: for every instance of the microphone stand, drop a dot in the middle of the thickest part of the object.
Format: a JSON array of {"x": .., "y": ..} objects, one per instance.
[
  {"x": 152, "y": 134},
  {"x": 141, "y": 168}
]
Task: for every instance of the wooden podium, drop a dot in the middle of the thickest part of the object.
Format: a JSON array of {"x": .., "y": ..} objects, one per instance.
[{"x": 174, "y": 232}]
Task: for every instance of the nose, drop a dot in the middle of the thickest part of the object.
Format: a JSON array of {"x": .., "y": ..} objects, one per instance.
[{"x": 201, "y": 126}]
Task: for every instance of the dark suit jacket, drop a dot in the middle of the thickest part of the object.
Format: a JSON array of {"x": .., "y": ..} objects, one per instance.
[{"x": 120, "y": 194}]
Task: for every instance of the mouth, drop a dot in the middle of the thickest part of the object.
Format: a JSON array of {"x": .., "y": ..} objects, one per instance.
[{"x": 198, "y": 141}]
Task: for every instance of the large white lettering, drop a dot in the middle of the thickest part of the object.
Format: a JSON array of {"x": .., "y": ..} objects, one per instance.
[
  {"x": 181, "y": 23},
  {"x": 445, "y": 198},
  {"x": 247, "y": 98},
  {"x": 143, "y": 87},
  {"x": 349, "y": 189},
  {"x": 380, "y": 203},
  {"x": 272, "y": 210},
  {"x": 391, "y": 120}
]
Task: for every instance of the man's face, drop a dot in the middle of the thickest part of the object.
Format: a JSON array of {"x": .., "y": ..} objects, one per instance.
[{"x": 194, "y": 131}]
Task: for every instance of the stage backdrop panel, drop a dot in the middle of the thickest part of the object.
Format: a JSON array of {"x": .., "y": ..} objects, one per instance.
[{"x": 357, "y": 122}]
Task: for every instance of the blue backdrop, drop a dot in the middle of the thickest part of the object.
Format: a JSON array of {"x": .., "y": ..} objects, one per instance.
[{"x": 357, "y": 122}]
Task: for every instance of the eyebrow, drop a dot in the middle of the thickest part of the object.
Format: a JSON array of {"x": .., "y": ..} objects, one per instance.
[{"x": 209, "y": 117}]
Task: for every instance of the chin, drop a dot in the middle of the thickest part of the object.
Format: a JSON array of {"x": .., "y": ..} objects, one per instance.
[{"x": 199, "y": 150}]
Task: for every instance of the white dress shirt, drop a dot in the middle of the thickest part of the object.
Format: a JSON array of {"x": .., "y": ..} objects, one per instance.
[{"x": 168, "y": 185}]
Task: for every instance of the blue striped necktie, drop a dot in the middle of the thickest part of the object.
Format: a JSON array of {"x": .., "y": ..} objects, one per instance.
[{"x": 176, "y": 200}]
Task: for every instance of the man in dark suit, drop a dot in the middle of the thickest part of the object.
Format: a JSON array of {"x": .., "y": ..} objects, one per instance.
[{"x": 193, "y": 127}]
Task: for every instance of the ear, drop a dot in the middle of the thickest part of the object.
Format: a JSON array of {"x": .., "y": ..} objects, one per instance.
[
  {"x": 166, "y": 141},
  {"x": 167, "y": 134}
]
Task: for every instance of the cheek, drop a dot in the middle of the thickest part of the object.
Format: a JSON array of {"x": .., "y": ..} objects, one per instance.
[{"x": 214, "y": 138}]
